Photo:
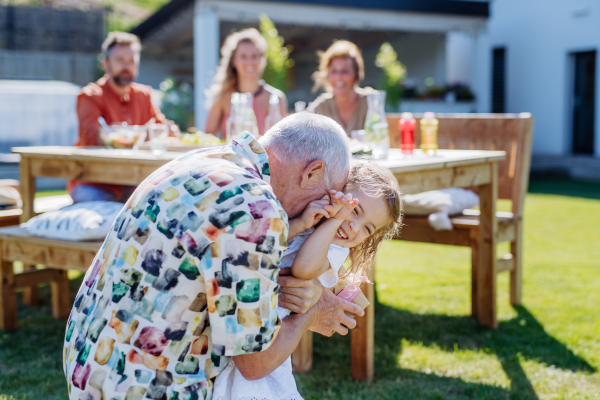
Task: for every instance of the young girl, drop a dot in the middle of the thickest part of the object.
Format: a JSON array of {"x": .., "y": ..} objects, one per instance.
[{"x": 352, "y": 224}]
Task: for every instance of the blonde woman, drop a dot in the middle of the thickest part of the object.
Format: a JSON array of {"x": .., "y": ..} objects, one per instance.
[
  {"x": 341, "y": 69},
  {"x": 240, "y": 70}
]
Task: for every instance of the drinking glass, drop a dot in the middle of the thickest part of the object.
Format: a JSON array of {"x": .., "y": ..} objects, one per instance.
[{"x": 158, "y": 134}]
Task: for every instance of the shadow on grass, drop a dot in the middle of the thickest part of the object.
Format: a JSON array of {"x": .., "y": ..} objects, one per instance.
[
  {"x": 564, "y": 187},
  {"x": 522, "y": 337},
  {"x": 31, "y": 357}
]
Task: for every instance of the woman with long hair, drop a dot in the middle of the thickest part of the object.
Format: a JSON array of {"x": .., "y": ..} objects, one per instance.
[
  {"x": 341, "y": 69},
  {"x": 240, "y": 70}
]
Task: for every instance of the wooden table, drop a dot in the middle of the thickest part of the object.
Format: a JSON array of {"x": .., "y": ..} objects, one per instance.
[{"x": 415, "y": 173}]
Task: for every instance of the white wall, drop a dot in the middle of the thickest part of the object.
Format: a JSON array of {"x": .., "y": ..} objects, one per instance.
[
  {"x": 539, "y": 35},
  {"x": 460, "y": 52},
  {"x": 37, "y": 113}
]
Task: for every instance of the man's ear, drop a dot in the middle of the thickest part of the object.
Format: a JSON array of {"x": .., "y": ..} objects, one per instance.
[
  {"x": 313, "y": 175},
  {"x": 105, "y": 64}
]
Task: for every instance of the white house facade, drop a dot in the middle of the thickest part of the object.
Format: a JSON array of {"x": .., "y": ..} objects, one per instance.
[{"x": 545, "y": 53}]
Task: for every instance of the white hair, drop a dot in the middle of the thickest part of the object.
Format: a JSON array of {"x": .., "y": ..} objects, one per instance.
[{"x": 305, "y": 137}]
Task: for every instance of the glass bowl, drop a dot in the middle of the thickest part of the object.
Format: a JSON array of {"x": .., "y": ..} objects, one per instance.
[{"x": 123, "y": 136}]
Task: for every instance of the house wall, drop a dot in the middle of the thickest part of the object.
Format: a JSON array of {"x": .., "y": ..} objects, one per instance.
[
  {"x": 37, "y": 113},
  {"x": 460, "y": 57},
  {"x": 539, "y": 36}
]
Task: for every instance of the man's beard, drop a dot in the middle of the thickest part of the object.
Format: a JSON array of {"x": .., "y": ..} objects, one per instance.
[{"x": 123, "y": 80}]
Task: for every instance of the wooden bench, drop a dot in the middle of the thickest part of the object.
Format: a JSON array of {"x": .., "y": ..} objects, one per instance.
[
  {"x": 57, "y": 255},
  {"x": 513, "y": 134},
  {"x": 12, "y": 216}
]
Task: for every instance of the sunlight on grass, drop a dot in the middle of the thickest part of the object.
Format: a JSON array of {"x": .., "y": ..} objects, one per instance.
[
  {"x": 426, "y": 344},
  {"x": 468, "y": 365}
]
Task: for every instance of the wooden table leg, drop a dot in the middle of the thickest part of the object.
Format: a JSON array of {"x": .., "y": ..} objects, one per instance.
[
  {"x": 302, "y": 356},
  {"x": 8, "y": 296},
  {"x": 362, "y": 338},
  {"x": 30, "y": 293},
  {"x": 61, "y": 297},
  {"x": 474, "y": 238},
  {"x": 486, "y": 273},
  {"x": 516, "y": 249}
]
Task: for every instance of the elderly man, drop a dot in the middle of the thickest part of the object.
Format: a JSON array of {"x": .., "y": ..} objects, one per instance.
[
  {"x": 116, "y": 98},
  {"x": 188, "y": 277}
]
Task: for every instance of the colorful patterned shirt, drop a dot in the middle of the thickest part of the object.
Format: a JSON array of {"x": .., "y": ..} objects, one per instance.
[{"x": 186, "y": 278}]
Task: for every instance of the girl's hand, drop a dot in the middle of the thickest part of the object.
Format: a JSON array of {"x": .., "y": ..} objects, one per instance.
[
  {"x": 314, "y": 212},
  {"x": 341, "y": 205}
]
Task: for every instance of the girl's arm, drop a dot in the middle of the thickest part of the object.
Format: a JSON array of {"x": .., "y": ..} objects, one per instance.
[{"x": 311, "y": 260}]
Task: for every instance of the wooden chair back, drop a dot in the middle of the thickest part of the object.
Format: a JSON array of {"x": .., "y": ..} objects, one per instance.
[{"x": 511, "y": 133}]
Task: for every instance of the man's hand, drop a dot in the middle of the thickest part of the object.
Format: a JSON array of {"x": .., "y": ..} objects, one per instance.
[
  {"x": 298, "y": 295},
  {"x": 329, "y": 317}
]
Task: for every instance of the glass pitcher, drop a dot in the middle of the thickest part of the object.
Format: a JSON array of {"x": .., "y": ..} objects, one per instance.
[
  {"x": 248, "y": 117},
  {"x": 376, "y": 127}
]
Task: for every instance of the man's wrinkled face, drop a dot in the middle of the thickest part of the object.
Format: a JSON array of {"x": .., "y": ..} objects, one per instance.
[
  {"x": 303, "y": 196},
  {"x": 121, "y": 64}
]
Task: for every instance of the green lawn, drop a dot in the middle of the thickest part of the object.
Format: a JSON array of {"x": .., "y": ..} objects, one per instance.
[{"x": 426, "y": 345}]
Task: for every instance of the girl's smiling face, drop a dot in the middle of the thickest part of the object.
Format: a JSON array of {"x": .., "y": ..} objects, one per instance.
[
  {"x": 246, "y": 60},
  {"x": 370, "y": 215}
]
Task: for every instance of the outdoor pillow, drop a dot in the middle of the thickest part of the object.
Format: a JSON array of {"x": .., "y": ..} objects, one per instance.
[
  {"x": 90, "y": 220},
  {"x": 9, "y": 196},
  {"x": 438, "y": 205}
]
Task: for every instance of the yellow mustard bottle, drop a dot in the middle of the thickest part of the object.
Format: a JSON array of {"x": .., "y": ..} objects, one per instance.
[{"x": 429, "y": 129}]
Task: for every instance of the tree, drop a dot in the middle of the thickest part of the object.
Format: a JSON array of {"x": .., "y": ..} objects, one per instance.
[
  {"x": 394, "y": 73},
  {"x": 278, "y": 61}
]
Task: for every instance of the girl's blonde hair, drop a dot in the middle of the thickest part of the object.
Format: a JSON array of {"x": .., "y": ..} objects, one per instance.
[
  {"x": 339, "y": 48},
  {"x": 226, "y": 77},
  {"x": 376, "y": 182}
]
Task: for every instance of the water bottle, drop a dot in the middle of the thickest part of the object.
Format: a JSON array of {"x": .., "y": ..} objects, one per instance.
[{"x": 274, "y": 115}]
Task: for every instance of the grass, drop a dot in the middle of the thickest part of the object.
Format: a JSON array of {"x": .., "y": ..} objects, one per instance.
[{"x": 426, "y": 346}]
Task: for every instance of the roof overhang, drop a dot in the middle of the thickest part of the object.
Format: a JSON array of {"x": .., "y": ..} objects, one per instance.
[
  {"x": 172, "y": 25},
  {"x": 344, "y": 17}
]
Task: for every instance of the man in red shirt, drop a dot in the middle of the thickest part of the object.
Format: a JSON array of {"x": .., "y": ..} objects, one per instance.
[{"x": 116, "y": 98}]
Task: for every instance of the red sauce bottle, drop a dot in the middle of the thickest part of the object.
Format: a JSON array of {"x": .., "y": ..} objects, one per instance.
[{"x": 406, "y": 126}]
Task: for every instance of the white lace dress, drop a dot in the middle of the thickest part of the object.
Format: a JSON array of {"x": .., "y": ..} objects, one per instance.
[{"x": 280, "y": 384}]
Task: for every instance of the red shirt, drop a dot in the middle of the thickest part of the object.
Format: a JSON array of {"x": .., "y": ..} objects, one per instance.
[{"x": 98, "y": 99}]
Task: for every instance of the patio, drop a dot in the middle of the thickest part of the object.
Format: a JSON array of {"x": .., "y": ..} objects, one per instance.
[{"x": 426, "y": 346}]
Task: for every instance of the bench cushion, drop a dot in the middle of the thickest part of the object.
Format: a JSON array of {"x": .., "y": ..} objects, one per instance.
[{"x": 79, "y": 222}]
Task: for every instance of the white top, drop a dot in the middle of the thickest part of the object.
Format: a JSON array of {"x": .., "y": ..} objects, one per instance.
[{"x": 336, "y": 255}]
